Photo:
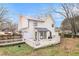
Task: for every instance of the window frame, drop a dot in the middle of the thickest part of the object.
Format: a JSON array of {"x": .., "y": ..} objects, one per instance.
[
  {"x": 43, "y": 34},
  {"x": 52, "y": 25},
  {"x": 35, "y": 24}
]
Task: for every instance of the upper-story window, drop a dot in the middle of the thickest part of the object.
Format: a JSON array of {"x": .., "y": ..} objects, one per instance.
[
  {"x": 35, "y": 23},
  {"x": 52, "y": 25}
]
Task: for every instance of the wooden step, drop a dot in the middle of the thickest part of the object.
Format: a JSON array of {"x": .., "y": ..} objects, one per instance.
[{"x": 8, "y": 42}]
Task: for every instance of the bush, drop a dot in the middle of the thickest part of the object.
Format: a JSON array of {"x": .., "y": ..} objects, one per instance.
[{"x": 68, "y": 35}]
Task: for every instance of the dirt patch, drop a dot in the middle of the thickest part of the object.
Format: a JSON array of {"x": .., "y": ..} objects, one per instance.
[{"x": 69, "y": 44}]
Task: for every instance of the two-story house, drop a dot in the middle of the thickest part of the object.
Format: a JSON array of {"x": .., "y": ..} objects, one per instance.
[{"x": 38, "y": 32}]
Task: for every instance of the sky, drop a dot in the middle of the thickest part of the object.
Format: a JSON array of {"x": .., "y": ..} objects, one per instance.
[{"x": 32, "y": 9}]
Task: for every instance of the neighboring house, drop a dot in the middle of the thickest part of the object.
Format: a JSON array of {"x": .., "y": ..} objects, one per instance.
[
  {"x": 67, "y": 31},
  {"x": 38, "y": 32}
]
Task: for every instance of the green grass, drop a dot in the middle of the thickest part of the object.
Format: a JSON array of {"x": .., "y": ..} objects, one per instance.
[
  {"x": 16, "y": 50},
  {"x": 24, "y": 49},
  {"x": 77, "y": 45},
  {"x": 53, "y": 50}
]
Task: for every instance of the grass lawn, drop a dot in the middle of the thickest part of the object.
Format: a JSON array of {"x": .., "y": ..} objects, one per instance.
[{"x": 68, "y": 46}]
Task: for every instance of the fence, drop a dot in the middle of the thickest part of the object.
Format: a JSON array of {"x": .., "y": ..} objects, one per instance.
[
  {"x": 10, "y": 39},
  {"x": 68, "y": 35},
  {"x": 7, "y": 37}
]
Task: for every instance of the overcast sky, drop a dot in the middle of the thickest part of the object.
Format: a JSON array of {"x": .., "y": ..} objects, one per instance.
[{"x": 33, "y": 9}]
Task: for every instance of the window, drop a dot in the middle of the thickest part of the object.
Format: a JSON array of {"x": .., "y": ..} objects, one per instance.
[
  {"x": 35, "y": 23},
  {"x": 42, "y": 35},
  {"x": 52, "y": 25}
]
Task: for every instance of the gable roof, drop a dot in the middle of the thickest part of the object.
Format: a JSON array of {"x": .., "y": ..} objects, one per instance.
[{"x": 35, "y": 19}]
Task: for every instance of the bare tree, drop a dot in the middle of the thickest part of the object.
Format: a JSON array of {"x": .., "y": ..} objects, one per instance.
[
  {"x": 3, "y": 13},
  {"x": 67, "y": 10},
  {"x": 5, "y": 20}
]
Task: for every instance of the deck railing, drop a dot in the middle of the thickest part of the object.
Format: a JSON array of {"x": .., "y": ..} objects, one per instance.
[
  {"x": 7, "y": 37},
  {"x": 10, "y": 39}
]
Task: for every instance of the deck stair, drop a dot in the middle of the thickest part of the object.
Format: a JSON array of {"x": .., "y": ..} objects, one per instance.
[{"x": 10, "y": 41}]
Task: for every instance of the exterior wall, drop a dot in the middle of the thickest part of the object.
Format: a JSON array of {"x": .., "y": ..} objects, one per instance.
[
  {"x": 28, "y": 34},
  {"x": 31, "y": 29},
  {"x": 43, "y": 43}
]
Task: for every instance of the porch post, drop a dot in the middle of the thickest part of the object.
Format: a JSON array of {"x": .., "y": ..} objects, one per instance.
[
  {"x": 37, "y": 36},
  {"x": 37, "y": 41},
  {"x": 50, "y": 36}
]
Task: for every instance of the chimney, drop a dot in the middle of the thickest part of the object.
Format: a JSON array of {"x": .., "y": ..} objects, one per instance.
[{"x": 23, "y": 22}]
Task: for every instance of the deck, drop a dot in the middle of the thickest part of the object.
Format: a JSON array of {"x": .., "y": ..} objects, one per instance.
[{"x": 10, "y": 41}]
